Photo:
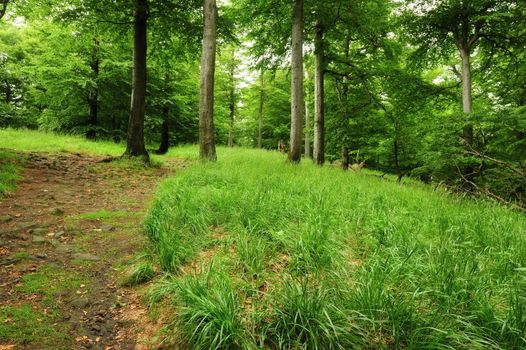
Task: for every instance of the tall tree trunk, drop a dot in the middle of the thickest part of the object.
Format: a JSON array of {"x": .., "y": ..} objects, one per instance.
[
  {"x": 261, "y": 110},
  {"x": 207, "y": 146},
  {"x": 8, "y": 92},
  {"x": 319, "y": 98},
  {"x": 232, "y": 102},
  {"x": 232, "y": 107},
  {"x": 165, "y": 133},
  {"x": 307, "y": 119},
  {"x": 135, "y": 140},
  {"x": 397, "y": 160},
  {"x": 467, "y": 105},
  {"x": 344, "y": 101},
  {"x": 297, "y": 106},
  {"x": 93, "y": 96},
  {"x": 345, "y": 158},
  {"x": 467, "y": 102}
]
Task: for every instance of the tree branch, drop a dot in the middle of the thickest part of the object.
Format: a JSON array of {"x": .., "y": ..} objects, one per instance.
[{"x": 489, "y": 193}]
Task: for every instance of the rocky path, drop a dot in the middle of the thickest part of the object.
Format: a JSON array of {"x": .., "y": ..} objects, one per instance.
[{"x": 66, "y": 235}]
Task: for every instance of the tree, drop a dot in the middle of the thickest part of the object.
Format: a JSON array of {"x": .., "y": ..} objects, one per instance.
[
  {"x": 207, "y": 147},
  {"x": 3, "y": 7},
  {"x": 438, "y": 26},
  {"x": 319, "y": 96},
  {"x": 135, "y": 146},
  {"x": 261, "y": 108},
  {"x": 297, "y": 106},
  {"x": 307, "y": 117}
]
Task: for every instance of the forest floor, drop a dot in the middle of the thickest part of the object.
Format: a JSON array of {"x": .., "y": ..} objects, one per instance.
[{"x": 67, "y": 233}]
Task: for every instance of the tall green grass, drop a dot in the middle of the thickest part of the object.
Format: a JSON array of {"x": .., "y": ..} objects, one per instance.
[
  {"x": 315, "y": 258},
  {"x": 9, "y": 171}
]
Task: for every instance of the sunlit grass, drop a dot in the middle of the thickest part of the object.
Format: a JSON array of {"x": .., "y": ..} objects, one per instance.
[
  {"x": 9, "y": 171},
  {"x": 319, "y": 258},
  {"x": 39, "y": 141}
]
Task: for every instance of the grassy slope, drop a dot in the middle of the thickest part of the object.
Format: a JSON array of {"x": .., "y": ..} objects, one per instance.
[
  {"x": 38, "y": 141},
  {"x": 8, "y": 171},
  {"x": 308, "y": 257},
  {"x": 15, "y": 140}
]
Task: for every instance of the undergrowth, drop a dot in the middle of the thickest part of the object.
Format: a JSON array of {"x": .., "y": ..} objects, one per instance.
[{"x": 316, "y": 258}]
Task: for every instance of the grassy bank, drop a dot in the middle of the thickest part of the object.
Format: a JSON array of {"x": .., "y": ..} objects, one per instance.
[
  {"x": 8, "y": 171},
  {"x": 39, "y": 141},
  {"x": 265, "y": 254}
]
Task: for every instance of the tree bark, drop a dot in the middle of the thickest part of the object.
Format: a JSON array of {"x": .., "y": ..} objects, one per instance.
[
  {"x": 397, "y": 161},
  {"x": 207, "y": 147},
  {"x": 232, "y": 107},
  {"x": 467, "y": 106},
  {"x": 307, "y": 120},
  {"x": 135, "y": 146},
  {"x": 297, "y": 106},
  {"x": 232, "y": 103},
  {"x": 467, "y": 102},
  {"x": 319, "y": 98},
  {"x": 261, "y": 110},
  {"x": 93, "y": 96},
  {"x": 344, "y": 101},
  {"x": 345, "y": 158},
  {"x": 8, "y": 92},
  {"x": 165, "y": 134}
]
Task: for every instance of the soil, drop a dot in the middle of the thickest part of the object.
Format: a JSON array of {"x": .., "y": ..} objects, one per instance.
[{"x": 67, "y": 234}]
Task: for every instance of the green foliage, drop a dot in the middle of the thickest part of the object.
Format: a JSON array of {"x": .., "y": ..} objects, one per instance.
[
  {"x": 342, "y": 260},
  {"x": 209, "y": 316},
  {"x": 139, "y": 274},
  {"x": 306, "y": 316}
]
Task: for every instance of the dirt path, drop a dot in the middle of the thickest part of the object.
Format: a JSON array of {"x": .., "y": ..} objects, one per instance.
[{"x": 66, "y": 234}]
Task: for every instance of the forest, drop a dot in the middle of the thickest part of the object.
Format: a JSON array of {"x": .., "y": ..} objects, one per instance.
[{"x": 242, "y": 174}]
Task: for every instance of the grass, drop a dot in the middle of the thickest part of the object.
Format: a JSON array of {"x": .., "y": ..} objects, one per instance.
[
  {"x": 24, "y": 325},
  {"x": 33, "y": 140},
  {"x": 24, "y": 140},
  {"x": 315, "y": 258},
  {"x": 8, "y": 171},
  {"x": 48, "y": 281}
]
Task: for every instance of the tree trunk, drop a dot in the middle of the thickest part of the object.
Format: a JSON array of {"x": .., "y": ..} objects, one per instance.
[
  {"x": 297, "y": 106},
  {"x": 93, "y": 97},
  {"x": 232, "y": 107},
  {"x": 165, "y": 134},
  {"x": 8, "y": 92},
  {"x": 207, "y": 146},
  {"x": 307, "y": 120},
  {"x": 3, "y": 7},
  {"x": 467, "y": 106},
  {"x": 345, "y": 158},
  {"x": 232, "y": 104},
  {"x": 319, "y": 98},
  {"x": 261, "y": 105},
  {"x": 135, "y": 140},
  {"x": 467, "y": 102},
  {"x": 397, "y": 161}
]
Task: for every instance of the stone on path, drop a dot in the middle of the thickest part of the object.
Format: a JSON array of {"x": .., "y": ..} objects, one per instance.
[
  {"x": 85, "y": 257},
  {"x": 39, "y": 239}
]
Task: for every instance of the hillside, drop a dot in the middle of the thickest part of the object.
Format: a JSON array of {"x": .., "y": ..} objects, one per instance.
[
  {"x": 268, "y": 254},
  {"x": 249, "y": 252}
]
